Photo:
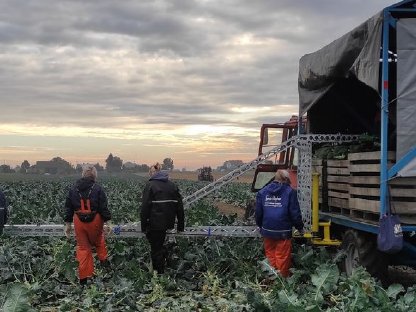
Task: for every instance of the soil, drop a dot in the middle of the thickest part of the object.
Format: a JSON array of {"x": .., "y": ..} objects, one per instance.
[{"x": 228, "y": 209}]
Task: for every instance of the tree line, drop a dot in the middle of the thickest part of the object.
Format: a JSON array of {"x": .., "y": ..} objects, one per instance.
[{"x": 58, "y": 165}]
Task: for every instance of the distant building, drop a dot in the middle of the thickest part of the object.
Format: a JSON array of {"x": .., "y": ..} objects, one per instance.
[
  {"x": 51, "y": 167},
  {"x": 230, "y": 165},
  {"x": 129, "y": 165},
  {"x": 54, "y": 166}
]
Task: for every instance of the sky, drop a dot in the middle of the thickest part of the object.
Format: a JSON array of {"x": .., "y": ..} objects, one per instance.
[{"x": 147, "y": 79}]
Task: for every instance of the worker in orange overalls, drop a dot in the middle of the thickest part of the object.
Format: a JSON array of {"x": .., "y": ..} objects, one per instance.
[
  {"x": 86, "y": 206},
  {"x": 277, "y": 211}
]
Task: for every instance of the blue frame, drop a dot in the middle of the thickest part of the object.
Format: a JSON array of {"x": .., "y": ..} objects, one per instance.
[
  {"x": 385, "y": 173},
  {"x": 402, "y": 163}
]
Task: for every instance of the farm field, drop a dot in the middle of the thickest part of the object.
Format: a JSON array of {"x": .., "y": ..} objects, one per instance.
[
  {"x": 193, "y": 176},
  {"x": 203, "y": 274}
]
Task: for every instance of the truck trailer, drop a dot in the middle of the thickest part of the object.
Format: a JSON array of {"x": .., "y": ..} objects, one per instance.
[{"x": 364, "y": 84}]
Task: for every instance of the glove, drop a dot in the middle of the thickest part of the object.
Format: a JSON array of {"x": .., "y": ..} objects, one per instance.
[
  {"x": 68, "y": 229},
  {"x": 107, "y": 229},
  {"x": 298, "y": 233}
]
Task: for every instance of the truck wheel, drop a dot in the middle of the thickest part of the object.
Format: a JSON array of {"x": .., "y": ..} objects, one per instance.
[{"x": 361, "y": 250}]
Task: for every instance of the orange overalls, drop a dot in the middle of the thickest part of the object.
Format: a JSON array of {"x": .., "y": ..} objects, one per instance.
[
  {"x": 278, "y": 252},
  {"x": 88, "y": 235}
]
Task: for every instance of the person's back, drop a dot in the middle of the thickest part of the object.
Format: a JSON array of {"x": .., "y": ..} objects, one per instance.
[
  {"x": 161, "y": 205},
  {"x": 277, "y": 211},
  {"x": 3, "y": 211},
  {"x": 164, "y": 203}
]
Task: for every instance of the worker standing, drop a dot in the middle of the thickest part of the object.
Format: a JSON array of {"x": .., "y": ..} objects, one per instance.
[
  {"x": 161, "y": 205},
  {"x": 277, "y": 211},
  {"x": 86, "y": 206}
]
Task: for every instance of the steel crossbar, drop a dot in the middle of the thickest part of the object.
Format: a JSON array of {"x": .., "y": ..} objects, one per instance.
[
  {"x": 296, "y": 141},
  {"x": 134, "y": 230}
]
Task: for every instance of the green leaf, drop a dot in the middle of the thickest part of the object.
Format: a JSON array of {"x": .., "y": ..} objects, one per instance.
[
  {"x": 17, "y": 300},
  {"x": 394, "y": 290},
  {"x": 325, "y": 280}
]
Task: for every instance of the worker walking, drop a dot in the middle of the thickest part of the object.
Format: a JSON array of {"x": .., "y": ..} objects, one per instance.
[
  {"x": 86, "y": 206},
  {"x": 161, "y": 205},
  {"x": 277, "y": 211},
  {"x": 3, "y": 211}
]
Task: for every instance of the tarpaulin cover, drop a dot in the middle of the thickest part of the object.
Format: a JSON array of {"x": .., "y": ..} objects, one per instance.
[
  {"x": 406, "y": 91},
  {"x": 357, "y": 53},
  {"x": 409, "y": 170}
]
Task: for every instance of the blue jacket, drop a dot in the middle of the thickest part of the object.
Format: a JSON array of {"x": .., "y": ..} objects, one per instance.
[{"x": 277, "y": 211}]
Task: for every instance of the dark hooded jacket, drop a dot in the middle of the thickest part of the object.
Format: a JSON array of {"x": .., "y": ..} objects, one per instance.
[
  {"x": 86, "y": 188},
  {"x": 161, "y": 204},
  {"x": 3, "y": 201},
  {"x": 4, "y": 211},
  {"x": 277, "y": 211}
]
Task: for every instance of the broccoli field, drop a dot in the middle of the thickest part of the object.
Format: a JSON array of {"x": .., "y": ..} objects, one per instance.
[{"x": 203, "y": 274}]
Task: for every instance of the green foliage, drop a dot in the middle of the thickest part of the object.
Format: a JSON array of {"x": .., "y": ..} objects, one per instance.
[
  {"x": 365, "y": 143},
  {"x": 202, "y": 274},
  {"x": 17, "y": 299}
]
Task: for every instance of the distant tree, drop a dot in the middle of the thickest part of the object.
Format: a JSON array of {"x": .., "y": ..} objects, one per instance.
[
  {"x": 109, "y": 162},
  {"x": 99, "y": 167},
  {"x": 24, "y": 166},
  {"x": 143, "y": 168},
  {"x": 117, "y": 163},
  {"x": 62, "y": 165},
  {"x": 167, "y": 164},
  {"x": 78, "y": 168},
  {"x": 113, "y": 163}
]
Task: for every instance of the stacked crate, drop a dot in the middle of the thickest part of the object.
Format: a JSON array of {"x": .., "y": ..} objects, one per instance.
[
  {"x": 364, "y": 190},
  {"x": 337, "y": 183},
  {"x": 352, "y": 187}
]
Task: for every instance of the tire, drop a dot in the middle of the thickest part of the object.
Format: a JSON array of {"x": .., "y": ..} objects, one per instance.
[{"x": 361, "y": 250}]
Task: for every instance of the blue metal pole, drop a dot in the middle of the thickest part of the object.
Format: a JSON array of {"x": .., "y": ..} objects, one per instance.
[
  {"x": 384, "y": 112},
  {"x": 400, "y": 164}
]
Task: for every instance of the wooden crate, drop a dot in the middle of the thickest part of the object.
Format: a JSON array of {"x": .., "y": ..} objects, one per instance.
[
  {"x": 352, "y": 187},
  {"x": 364, "y": 189},
  {"x": 337, "y": 174}
]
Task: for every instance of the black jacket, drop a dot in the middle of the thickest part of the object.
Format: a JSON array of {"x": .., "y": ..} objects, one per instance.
[
  {"x": 3, "y": 201},
  {"x": 97, "y": 197},
  {"x": 161, "y": 204}
]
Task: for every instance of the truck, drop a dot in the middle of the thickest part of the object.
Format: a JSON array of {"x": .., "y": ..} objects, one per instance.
[
  {"x": 364, "y": 84},
  {"x": 205, "y": 174}
]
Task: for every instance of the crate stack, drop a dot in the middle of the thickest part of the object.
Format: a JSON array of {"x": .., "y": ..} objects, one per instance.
[
  {"x": 364, "y": 200},
  {"x": 352, "y": 187}
]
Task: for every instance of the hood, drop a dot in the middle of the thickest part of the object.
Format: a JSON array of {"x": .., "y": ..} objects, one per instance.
[
  {"x": 84, "y": 184},
  {"x": 160, "y": 175},
  {"x": 277, "y": 187}
]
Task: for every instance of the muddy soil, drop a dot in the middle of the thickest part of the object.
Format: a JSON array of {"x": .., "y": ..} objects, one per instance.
[{"x": 228, "y": 209}]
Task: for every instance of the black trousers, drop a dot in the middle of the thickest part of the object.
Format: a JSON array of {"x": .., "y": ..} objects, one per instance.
[{"x": 158, "y": 252}]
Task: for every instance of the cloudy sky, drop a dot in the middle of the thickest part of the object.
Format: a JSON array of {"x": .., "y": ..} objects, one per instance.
[{"x": 150, "y": 79}]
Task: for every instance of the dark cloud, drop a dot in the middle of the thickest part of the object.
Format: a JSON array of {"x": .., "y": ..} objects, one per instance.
[{"x": 172, "y": 62}]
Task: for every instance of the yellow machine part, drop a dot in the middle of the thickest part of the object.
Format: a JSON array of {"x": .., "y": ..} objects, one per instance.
[{"x": 314, "y": 234}]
